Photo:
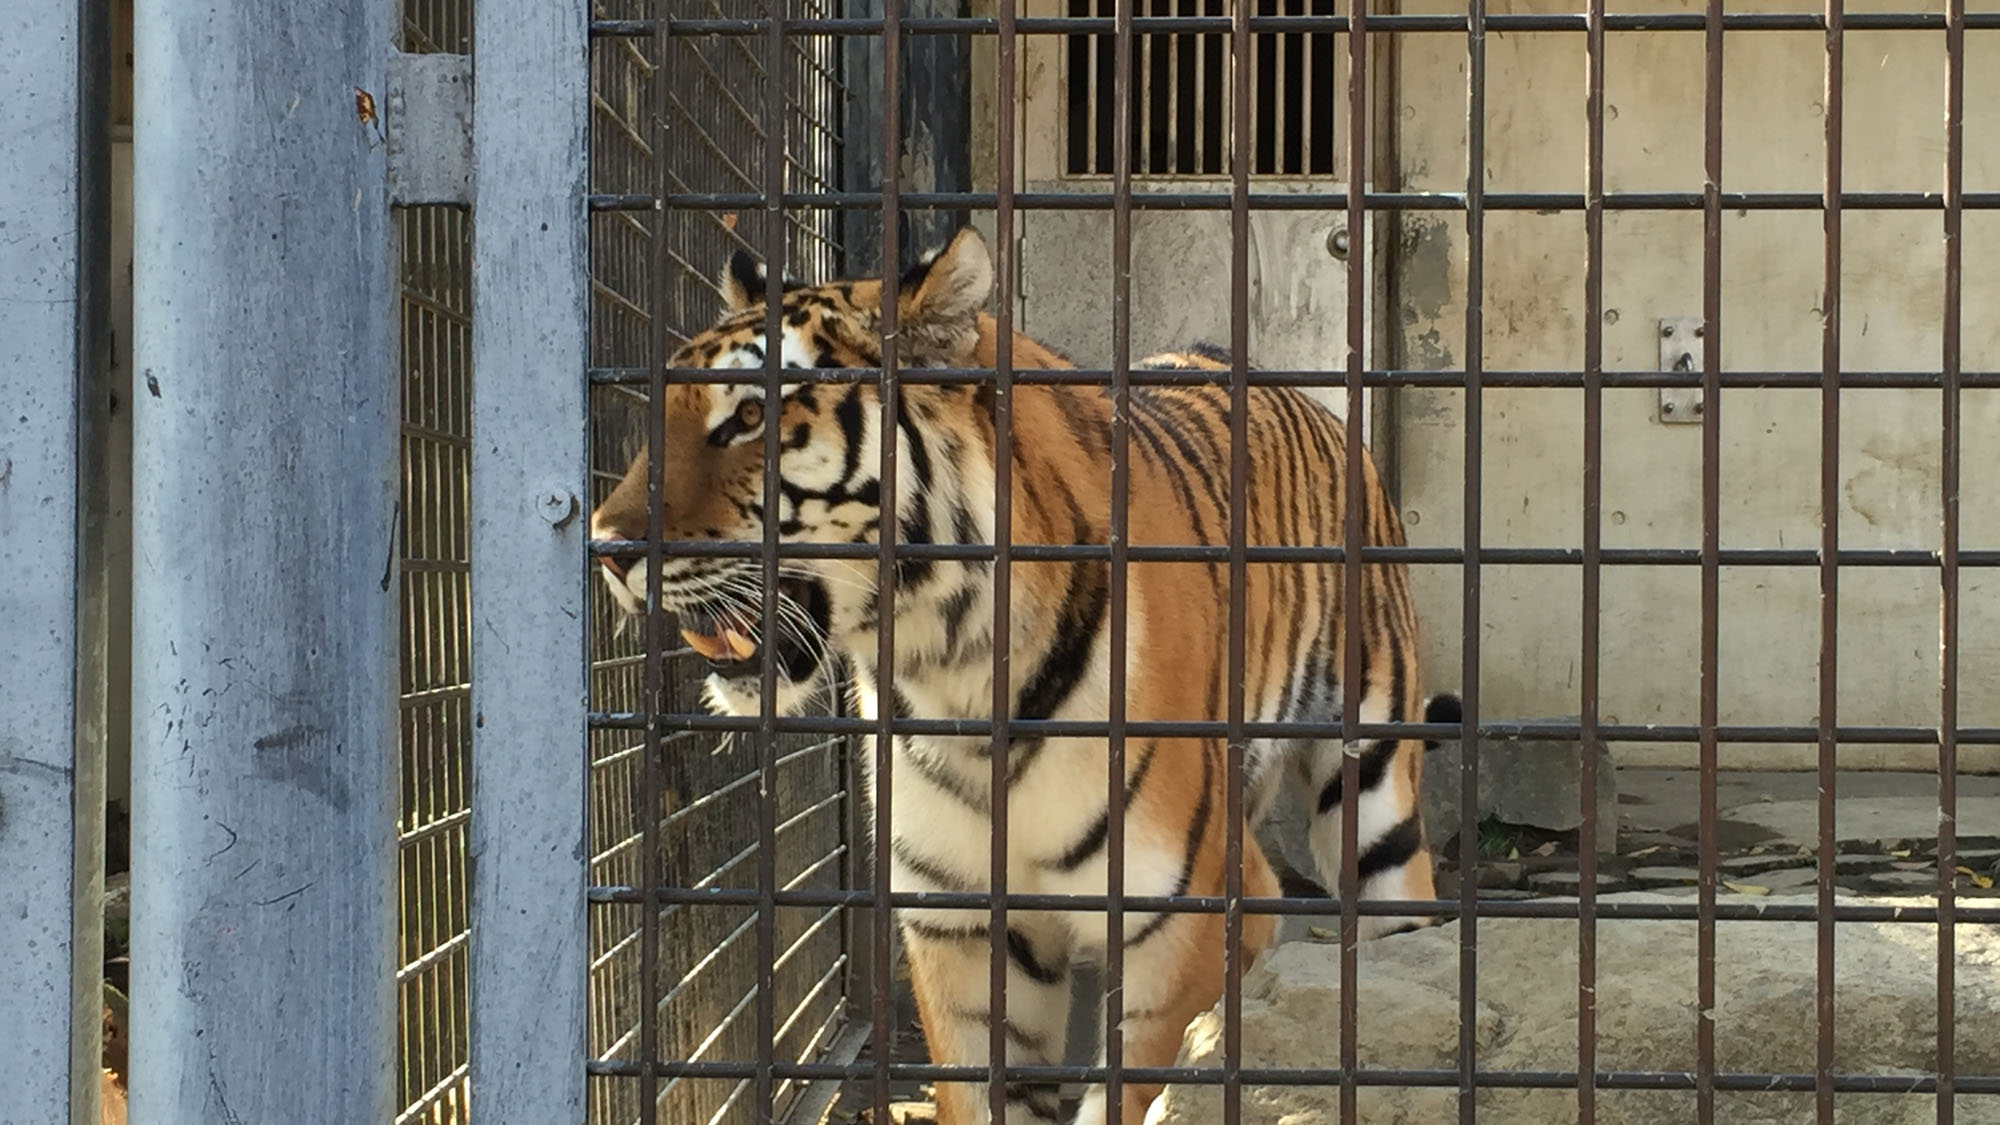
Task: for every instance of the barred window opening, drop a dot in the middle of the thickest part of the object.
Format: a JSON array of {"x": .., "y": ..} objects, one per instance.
[{"x": 1180, "y": 120}]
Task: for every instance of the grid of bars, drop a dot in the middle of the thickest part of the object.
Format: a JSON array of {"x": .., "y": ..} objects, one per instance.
[
  {"x": 432, "y": 977},
  {"x": 1179, "y": 109},
  {"x": 678, "y": 115},
  {"x": 768, "y": 898}
]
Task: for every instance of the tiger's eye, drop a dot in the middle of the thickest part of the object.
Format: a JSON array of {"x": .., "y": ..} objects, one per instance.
[{"x": 750, "y": 413}]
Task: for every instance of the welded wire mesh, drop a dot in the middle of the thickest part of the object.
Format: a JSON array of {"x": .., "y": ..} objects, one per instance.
[{"x": 436, "y": 728}]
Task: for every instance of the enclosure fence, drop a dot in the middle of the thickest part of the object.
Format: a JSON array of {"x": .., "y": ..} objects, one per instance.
[
  {"x": 602, "y": 902},
  {"x": 1165, "y": 135}
]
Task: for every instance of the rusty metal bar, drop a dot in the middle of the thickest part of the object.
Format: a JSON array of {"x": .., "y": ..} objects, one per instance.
[
  {"x": 1468, "y": 839},
  {"x": 1510, "y": 556},
  {"x": 1711, "y": 505},
  {"x": 1829, "y": 574},
  {"x": 1414, "y": 23},
  {"x": 1241, "y": 48},
  {"x": 1118, "y": 610},
  {"x": 654, "y": 676},
  {"x": 1306, "y": 201},
  {"x": 1408, "y": 1078},
  {"x": 1358, "y": 245},
  {"x": 1593, "y": 575},
  {"x": 1204, "y": 728},
  {"x": 1949, "y": 559},
  {"x": 1321, "y": 377},
  {"x": 1214, "y": 904},
  {"x": 776, "y": 268},
  {"x": 1001, "y": 753},
  {"x": 888, "y": 527}
]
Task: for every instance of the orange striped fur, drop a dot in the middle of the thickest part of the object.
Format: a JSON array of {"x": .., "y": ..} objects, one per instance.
[{"x": 1177, "y": 658}]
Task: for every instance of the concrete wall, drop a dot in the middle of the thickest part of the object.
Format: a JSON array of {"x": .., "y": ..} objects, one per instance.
[
  {"x": 1772, "y": 279},
  {"x": 1892, "y": 300}
]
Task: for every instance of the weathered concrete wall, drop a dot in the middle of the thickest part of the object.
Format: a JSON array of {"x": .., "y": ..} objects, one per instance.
[
  {"x": 1772, "y": 274},
  {"x": 1892, "y": 299}
]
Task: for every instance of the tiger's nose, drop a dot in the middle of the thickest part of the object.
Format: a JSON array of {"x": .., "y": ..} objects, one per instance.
[{"x": 600, "y": 528}]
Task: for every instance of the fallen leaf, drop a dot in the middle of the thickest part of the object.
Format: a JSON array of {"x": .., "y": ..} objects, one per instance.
[
  {"x": 1901, "y": 853},
  {"x": 1983, "y": 882},
  {"x": 1513, "y": 853},
  {"x": 1324, "y": 934},
  {"x": 1645, "y": 851},
  {"x": 1746, "y": 888},
  {"x": 729, "y": 220},
  {"x": 1547, "y": 849},
  {"x": 364, "y": 106}
]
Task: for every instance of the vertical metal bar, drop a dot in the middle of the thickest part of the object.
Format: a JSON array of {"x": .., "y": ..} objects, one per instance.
[
  {"x": 775, "y": 270},
  {"x": 1240, "y": 154},
  {"x": 530, "y": 942},
  {"x": 1593, "y": 537},
  {"x": 1947, "y": 846},
  {"x": 887, "y": 528},
  {"x": 263, "y": 593},
  {"x": 1353, "y": 501},
  {"x": 1475, "y": 366},
  {"x": 1006, "y": 113},
  {"x": 653, "y": 671},
  {"x": 264, "y": 599},
  {"x": 1121, "y": 470},
  {"x": 54, "y": 371},
  {"x": 1711, "y": 508},
  {"x": 1829, "y": 573}
]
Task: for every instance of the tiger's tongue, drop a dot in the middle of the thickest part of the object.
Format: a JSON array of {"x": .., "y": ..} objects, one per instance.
[{"x": 725, "y": 643}]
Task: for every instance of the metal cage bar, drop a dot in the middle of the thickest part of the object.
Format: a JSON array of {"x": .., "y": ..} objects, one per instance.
[
  {"x": 54, "y": 375},
  {"x": 529, "y": 939},
  {"x": 1121, "y": 44}
]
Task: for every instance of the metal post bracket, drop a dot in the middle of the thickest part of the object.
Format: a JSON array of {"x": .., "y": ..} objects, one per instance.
[
  {"x": 1681, "y": 351},
  {"x": 428, "y": 124}
]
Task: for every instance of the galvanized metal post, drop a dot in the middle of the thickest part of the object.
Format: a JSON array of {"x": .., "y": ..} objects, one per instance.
[
  {"x": 265, "y": 468},
  {"x": 529, "y": 335},
  {"x": 54, "y": 260}
]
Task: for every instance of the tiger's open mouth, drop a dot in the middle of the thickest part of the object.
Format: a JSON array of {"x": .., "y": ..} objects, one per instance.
[{"x": 726, "y": 634}]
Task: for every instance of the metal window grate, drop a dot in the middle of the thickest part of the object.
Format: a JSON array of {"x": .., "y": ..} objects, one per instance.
[
  {"x": 1179, "y": 109},
  {"x": 673, "y": 115},
  {"x": 432, "y": 977}
]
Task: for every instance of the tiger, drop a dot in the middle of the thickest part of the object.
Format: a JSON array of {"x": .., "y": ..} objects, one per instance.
[{"x": 711, "y": 487}]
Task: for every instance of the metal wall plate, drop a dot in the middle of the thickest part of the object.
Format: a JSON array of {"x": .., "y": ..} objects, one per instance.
[
  {"x": 1680, "y": 350},
  {"x": 429, "y": 128}
]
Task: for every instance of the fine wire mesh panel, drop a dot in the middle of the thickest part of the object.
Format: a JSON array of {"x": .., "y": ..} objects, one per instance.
[
  {"x": 674, "y": 115},
  {"x": 436, "y": 731}
]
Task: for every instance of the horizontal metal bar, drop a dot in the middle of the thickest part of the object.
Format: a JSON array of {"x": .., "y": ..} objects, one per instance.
[
  {"x": 1307, "y": 378},
  {"x": 1314, "y": 1076},
  {"x": 1561, "y": 909},
  {"x": 1221, "y": 25},
  {"x": 1912, "y": 557},
  {"x": 1548, "y": 202},
  {"x": 1208, "y": 728}
]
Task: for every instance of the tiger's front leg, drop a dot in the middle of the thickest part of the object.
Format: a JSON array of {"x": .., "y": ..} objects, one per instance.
[
  {"x": 1174, "y": 971},
  {"x": 949, "y": 956}
]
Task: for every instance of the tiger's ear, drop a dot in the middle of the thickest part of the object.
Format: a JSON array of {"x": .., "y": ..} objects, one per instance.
[
  {"x": 950, "y": 285},
  {"x": 744, "y": 282}
]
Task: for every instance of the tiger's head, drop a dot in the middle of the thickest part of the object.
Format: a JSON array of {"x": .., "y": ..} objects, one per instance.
[{"x": 711, "y": 474}]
